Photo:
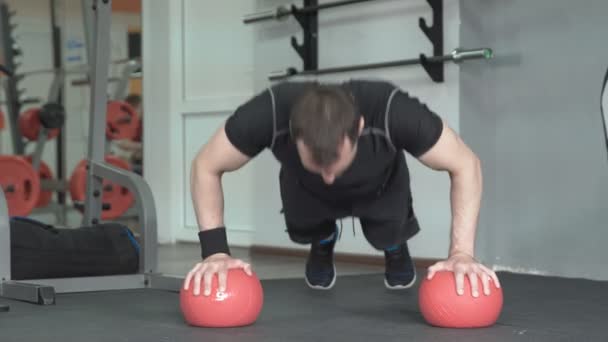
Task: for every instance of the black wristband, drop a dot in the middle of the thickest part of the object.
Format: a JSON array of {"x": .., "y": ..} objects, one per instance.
[{"x": 213, "y": 241}]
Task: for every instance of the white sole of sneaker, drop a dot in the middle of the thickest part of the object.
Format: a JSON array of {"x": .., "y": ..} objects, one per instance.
[
  {"x": 317, "y": 287},
  {"x": 401, "y": 287}
]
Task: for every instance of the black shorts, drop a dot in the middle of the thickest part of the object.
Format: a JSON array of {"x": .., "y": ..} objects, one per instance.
[{"x": 387, "y": 217}]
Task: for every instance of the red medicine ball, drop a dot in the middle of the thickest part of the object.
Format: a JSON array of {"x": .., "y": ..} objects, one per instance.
[
  {"x": 239, "y": 305},
  {"x": 441, "y": 306}
]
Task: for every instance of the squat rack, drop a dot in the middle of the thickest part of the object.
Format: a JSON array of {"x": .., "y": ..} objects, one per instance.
[
  {"x": 307, "y": 17},
  {"x": 15, "y": 99},
  {"x": 42, "y": 291}
]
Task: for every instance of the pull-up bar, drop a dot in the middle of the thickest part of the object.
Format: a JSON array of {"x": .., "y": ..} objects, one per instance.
[
  {"x": 457, "y": 56},
  {"x": 77, "y": 69},
  {"x": 282, "y": 11}
]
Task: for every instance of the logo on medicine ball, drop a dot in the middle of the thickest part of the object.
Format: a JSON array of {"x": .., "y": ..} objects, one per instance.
[{"x": 220, "y": 296}]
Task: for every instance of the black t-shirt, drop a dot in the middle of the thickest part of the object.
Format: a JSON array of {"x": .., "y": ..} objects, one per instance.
[{"x": 394, "y": 122}]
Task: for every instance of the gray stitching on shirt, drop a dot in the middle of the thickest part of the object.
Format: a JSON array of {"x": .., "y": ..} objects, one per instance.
[
  {"x": 274, "y": 118},
  {"x": 388, "y": 107}
]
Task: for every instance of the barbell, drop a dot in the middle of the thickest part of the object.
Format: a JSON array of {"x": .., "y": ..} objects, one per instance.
[
  {"x": 78, "y": 69},
  {"x": 122, "y": 121}
]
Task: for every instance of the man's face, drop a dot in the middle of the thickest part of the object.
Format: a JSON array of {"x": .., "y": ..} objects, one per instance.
[{"x": 346, "y": 155}]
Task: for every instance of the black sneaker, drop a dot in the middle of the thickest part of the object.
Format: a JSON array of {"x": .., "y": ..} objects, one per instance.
[
  {"x": 400, "y": 272},
  {"x": 320, "y": 268}
]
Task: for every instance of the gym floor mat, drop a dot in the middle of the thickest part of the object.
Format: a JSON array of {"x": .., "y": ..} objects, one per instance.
[{"x": 358, "y": 308}]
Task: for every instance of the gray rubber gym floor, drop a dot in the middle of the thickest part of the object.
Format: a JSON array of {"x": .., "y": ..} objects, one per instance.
[{"x": 357, "y": 309}]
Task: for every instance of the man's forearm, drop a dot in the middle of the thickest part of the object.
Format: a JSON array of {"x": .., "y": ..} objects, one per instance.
[
  {"x": 207, "y": 197},
  {"x": 466, "y": 190}
]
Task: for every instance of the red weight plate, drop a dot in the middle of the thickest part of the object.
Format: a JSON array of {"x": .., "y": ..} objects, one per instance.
[
  {"x": 29, "y": 125},
  {"x": 139, "y": 132},
  {"x": 20, "y": 183},
  {"x": 119, "y": 198},
  {"x": 45, "y": 173},
  {"x": 78, "y": 182},
  {"x": 121, "y": 163},
  {"x": 121, "y": 121}
]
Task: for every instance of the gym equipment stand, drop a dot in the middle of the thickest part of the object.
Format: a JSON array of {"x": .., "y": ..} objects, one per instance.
[
  {"x": 42, "y": 291},
  {"x": 306, "y": 16}
]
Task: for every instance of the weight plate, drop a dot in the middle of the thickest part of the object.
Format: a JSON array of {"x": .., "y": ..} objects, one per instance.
[
  {"x": 20, "y": 183},
  {"x": 119, "y": 198},
  {"x": 121, "y": 121},
  {"x": 45, "y": 173}
]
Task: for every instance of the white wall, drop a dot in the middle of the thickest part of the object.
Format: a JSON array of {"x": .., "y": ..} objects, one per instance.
[
  {"x": 197, "y": 69},
  {"x": 537, "y": 126},
  {"x": 215, "y": 63},
  {"x": 33, "y": 35}
]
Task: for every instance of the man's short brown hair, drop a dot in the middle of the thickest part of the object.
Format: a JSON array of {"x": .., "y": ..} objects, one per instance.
[{"x": 322, "y": 116}]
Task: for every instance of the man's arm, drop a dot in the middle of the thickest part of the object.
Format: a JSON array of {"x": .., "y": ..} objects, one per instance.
[
  {"x": 419, "y": 131},
  {"x": 245, "y": 133},
  {"x": 213, "y": 160},
  {"x": 451, "y": 154}
]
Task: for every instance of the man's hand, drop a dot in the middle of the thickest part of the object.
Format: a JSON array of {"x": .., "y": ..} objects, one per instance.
[
  {"x": 218, "y": 263},
  {"x": 465, "y": 265}
]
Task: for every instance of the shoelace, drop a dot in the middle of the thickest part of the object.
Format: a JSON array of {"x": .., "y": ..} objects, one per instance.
[{"x": 341, "y": 227}]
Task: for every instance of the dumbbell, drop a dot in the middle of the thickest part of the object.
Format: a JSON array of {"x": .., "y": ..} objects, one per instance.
[{"x": 50, "y": 116}]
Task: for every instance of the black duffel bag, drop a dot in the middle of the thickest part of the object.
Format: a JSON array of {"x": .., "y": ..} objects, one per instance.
[{"x": 40, "y": 251}]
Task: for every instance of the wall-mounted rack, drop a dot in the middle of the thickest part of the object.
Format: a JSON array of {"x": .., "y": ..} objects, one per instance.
[{"x": 307, "y": 17}]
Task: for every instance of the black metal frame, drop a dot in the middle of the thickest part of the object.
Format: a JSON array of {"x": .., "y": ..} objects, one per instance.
[
  {"x": 15, "y": 101},
  {"x": 435, "y": 34},
  {"x": 308, "y": 20},
  {"x": 308, "y": 51},
  {"x": 60, "y": 171},
  {"x": 13, "y": 94}
]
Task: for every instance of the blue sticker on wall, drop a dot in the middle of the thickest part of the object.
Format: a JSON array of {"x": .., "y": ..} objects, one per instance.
[
  {"x": 74, "y": 58},
  {"x": 74, "y": 44}
]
